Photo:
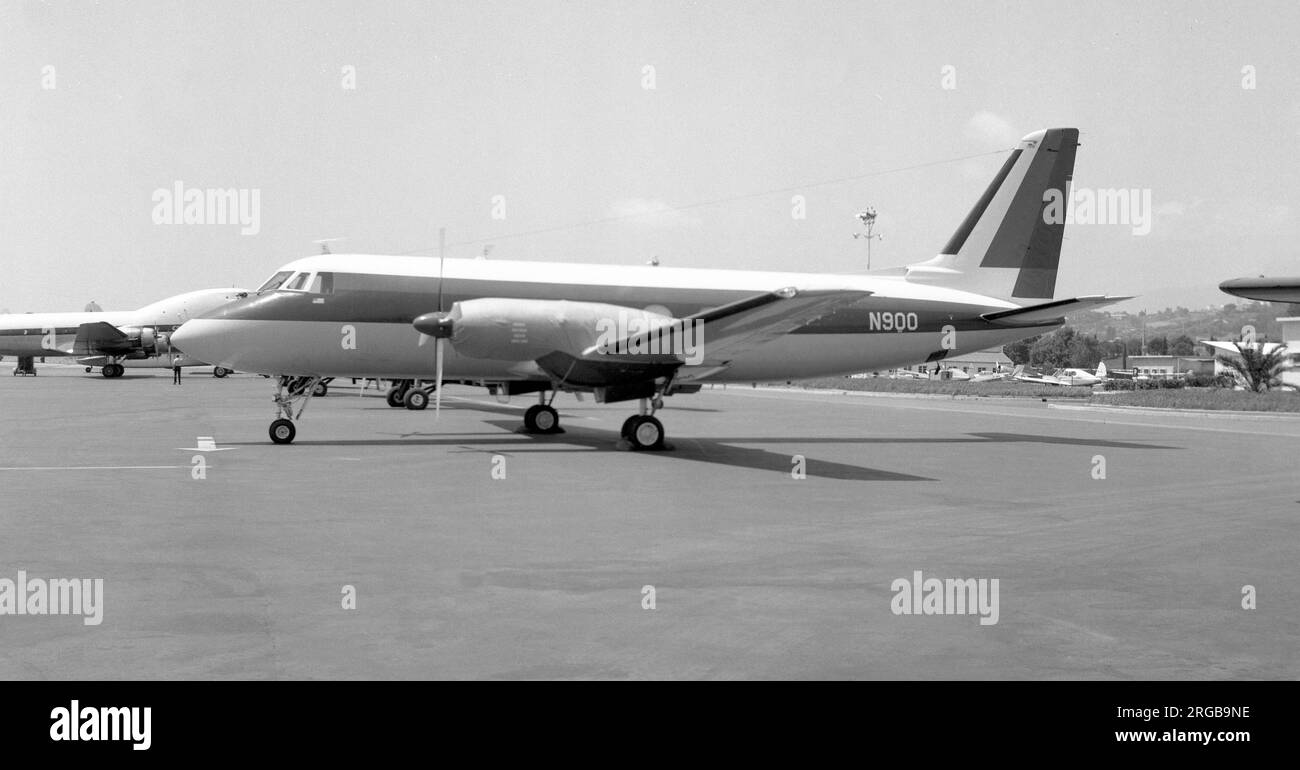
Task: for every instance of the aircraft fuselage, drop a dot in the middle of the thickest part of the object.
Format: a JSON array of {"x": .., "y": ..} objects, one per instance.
[{"x": 357, "y": 323}]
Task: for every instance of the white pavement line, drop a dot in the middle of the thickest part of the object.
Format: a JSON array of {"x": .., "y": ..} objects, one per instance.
[
  {"x": 92, "y": 467},
  {"x": 1218, "y": 414},
  {"x": 1082, "y": 415}
]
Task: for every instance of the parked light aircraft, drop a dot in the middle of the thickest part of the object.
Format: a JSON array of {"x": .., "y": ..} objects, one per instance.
[
  {"x": 1064, "y": 376},
  {"x": 642, "y": 333},
  {"x": 113, "y": 340}
]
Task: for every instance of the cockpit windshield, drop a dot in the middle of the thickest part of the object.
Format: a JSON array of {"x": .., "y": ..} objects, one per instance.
[{"x": 275, "y": 281}]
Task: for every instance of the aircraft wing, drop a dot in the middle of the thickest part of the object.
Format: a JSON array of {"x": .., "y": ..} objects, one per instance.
[
  {"x": 99, "y": 337},
  {"x": 722, "y": 333},
  {"x": 1036, "y": 315}
]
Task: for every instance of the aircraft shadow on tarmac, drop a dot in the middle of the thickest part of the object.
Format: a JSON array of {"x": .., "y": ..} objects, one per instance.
[{"x": 718, "y": 451}]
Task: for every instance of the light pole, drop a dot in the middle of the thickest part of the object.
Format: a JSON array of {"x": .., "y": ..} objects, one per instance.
[{"x": 868, "y": 219}]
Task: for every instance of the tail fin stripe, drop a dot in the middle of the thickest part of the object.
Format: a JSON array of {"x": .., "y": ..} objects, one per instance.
[{"x": 958, "y": 238}]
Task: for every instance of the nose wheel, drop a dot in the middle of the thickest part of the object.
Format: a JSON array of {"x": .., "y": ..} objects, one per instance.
[
  {"x": 288, "y": 392},
  {"x": 282, "y": 431}
]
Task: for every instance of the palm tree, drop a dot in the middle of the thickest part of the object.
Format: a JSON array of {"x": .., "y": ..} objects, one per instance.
[{"x": 1258, "y": 369}]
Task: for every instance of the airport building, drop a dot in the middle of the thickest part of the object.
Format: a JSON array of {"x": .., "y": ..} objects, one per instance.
[
  {"x": 977, "y": 362},
  {"x": 1290, "y": 338},
  {"x": 1164, "y": 366}
]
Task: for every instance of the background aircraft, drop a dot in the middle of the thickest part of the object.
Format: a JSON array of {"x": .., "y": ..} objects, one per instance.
[
  {"x": 112, "y": 340},
  {"x": 1264, "y": 289},
  {"x": 626, "y": 333},
  {"x": 1065, "y": 376}
]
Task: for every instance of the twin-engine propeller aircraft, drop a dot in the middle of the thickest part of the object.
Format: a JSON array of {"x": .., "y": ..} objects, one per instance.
[
  {"x": 642, "y": 333},
  {"x": 113, "y": 340}
]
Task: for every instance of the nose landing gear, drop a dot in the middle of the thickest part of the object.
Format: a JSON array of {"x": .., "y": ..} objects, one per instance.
[{"x": 288, "y": 391}]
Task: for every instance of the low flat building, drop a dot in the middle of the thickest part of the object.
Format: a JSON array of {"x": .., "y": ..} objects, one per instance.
[
  {"x": 976, "y": 362},
  {"x": 1290, "y": 338},
  {"x": 1170, "y": 366}
]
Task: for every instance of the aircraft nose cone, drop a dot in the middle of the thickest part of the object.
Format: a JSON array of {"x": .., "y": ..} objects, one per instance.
[{"x": 194, "y": 340}]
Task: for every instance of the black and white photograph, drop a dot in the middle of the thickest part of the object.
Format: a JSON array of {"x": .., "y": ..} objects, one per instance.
[{"x": 530, "y": 340}]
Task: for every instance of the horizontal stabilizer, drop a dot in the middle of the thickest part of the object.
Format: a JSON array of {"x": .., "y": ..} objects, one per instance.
[{"x": 1037, "y": 315}]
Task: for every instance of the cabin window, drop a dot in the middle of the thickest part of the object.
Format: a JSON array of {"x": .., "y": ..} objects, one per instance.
[{"x": 323, "y": 283}]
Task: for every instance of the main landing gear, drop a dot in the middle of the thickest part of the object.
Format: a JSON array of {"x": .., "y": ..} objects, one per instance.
[
  {"x": 642, "y": 430},
  {"x": 406, "y": 393},
  {"x": 541, "y": 418},
  {"x": 288, "y": 391},
  {"x": 113, "y": 370}
]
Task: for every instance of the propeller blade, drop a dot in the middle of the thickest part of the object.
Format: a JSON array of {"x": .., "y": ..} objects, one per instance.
[{"x": 437, "y": 393}]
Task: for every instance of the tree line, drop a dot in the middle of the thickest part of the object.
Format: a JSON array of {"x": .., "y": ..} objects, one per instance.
[{"x": 1067, "y": 348}]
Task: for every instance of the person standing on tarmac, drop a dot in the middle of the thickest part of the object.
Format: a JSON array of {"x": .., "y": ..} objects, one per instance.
[{"x": 176, "y": 370}]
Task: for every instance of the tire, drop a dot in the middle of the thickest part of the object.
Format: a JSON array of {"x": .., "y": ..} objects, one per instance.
[
  {"x": 541, "y": 418},
  {"x": 282, "y": 431},
  {"x": 394, "y": 396},
  {"x": 220, "y": 372},
  {"x": 628, "y": 424},
  {"x": 320, "y": 390},
  {"x": 647, "y": 433},
  {"x": 415, "y": 399}
]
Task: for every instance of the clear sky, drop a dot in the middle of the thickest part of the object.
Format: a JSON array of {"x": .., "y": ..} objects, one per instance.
[{"x": 546, "y": 104}]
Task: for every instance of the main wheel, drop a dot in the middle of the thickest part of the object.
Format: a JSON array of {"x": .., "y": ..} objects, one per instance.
[
  {"x": 416, "y": 399},
  {"x": 541, "y": 418},
  {"x": 320, "y": 389},
  {"x": 282, "y": 431},
  {"x": 118, "y": 370},
  {"x": 107, "y": 371},
  {"x": 646, "y": 433},
  {"x": 220, "y": 371},
  {"x": 628, "y": 424},
  {"x": 395, "y": 396}
]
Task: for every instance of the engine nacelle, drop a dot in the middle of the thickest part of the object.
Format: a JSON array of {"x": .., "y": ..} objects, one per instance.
[
  {"x": 527, "y": 329},
  {"x": 145, "y": 341}
]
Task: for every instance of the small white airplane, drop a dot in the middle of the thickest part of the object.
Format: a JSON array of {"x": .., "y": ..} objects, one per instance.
[
  {"x": 641, "y": 333},
  {"x": 1080, "y": 377},
  {"x": 112, "y": 340},
  {"x": 1068, "y": 376},
  {"x": 952, "y": 374}
]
